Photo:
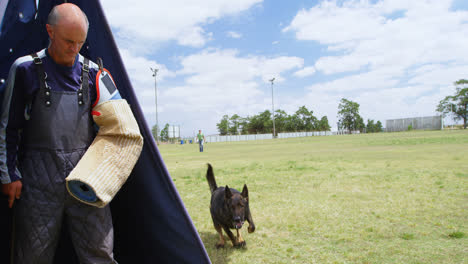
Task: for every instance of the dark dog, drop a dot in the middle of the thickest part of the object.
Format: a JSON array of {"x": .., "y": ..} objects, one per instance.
[{"x": 229, "y": 209}]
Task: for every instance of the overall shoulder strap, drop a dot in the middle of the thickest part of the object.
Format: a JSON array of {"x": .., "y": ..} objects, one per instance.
[
  {"x": 42, "y": 76},
  {"x": 84, "y": 81}
]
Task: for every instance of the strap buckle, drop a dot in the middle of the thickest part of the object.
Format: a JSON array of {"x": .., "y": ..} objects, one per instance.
[
  {"x": 37, "y": 60},
  {"x": 85, "y": 67}
]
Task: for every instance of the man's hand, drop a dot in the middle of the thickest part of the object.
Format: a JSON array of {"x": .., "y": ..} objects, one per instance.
[{"x": 12, "y": 190}]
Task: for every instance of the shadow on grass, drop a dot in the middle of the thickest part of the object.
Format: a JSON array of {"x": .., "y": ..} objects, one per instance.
[{"x": 221, "y": 255}]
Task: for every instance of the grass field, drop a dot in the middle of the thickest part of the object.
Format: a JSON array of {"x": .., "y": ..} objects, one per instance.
[{"x": 373, "y": 198}]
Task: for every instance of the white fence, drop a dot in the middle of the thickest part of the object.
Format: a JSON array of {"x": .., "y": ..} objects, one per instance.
[
  {"x": 237, "y": 137},
  {"x": 305, "y": 134},
  {"x": 231, "y": 138}
]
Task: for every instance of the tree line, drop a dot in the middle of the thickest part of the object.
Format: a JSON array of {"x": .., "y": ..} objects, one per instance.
[
  {"x": 350, "y": 120},
  {"x": 301, "y": 120}
]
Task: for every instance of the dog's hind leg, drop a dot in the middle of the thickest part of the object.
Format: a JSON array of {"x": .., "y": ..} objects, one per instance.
[{"x": 221, "y": 242}]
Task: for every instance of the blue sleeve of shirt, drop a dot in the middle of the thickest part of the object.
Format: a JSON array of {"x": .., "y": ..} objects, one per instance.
[
  {"x": 12, "y": 121},
  {"x": 15, "y": 124}
]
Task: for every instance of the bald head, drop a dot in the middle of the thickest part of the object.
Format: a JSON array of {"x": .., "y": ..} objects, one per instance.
[
  {"x": 67, "y": 13},
  {"x": 67, "y": 27}
]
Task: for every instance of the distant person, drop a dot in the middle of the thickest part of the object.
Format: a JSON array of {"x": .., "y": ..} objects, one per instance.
[{"x": 201, "y": 140}]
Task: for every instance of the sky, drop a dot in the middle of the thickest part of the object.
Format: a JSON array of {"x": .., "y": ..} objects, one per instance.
[{"x": 395, "y": 58}]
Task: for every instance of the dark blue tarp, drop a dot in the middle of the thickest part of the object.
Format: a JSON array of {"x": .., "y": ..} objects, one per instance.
[{"x": 150, "y": 221}]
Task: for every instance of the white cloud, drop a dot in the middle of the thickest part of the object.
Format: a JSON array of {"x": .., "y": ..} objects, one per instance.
[
  {"x": 233, "y": 34},
  {"x": 153, "y": 22},
  {"x": 219, "y": 82},
  {"x": 395, "y": 58},
  {"x": 439, "y": 75},
  {"x": 368, "y": 36},
  {"x": 306, "y": 71},
  {"x": 331, "y": 24}
]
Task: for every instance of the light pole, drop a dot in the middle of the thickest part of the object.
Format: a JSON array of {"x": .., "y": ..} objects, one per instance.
[
  {"x": 273, "y": 107},
  {"x": 155, "y": 72}
]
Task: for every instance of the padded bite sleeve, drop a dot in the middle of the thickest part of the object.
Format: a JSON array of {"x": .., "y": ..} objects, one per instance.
[{"x": 109, "y": 160}]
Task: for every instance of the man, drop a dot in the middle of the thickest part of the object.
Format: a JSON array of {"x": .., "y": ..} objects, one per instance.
[
  {"x": 201, "y": 140},
  {"x": 47, "y": 104}
]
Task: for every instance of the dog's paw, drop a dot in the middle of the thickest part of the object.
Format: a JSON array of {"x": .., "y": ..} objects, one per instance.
[
  {"x": 219, "y": 245},
  {"x": 240, "y": 244},
  {"x": 251, "y": 228}
]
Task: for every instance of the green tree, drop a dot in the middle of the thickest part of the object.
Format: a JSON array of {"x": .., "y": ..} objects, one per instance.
[
  {"x": 267, "y": 120},
  {"x": 308, "y": 120},
  {"x": 153, "y": 131},
  {"x": 373, "y": 127},
  {"x": 378, "y": 127},
  {"x": 165, "y": 133},
  {"x": 293, "y": 123},
  {"x": 456, "y": 104},
  {"x": 261, "y": 123},
  {"x": 370, "y": 127},
  {"x": 280, "y": 120},
  {"x": 223, "y": 125},
  {"x": 348, "y": 115},
  {"x": 234, "y": 124},
  {"x": 360, "y": 124},
  {"x": 255, "y": 125},
  {"x": 323, "y": 124},
  {"x": 244, "y": 125}
]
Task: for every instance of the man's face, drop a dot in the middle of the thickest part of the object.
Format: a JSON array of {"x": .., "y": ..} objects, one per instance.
[{"x": 66, "y": 42}]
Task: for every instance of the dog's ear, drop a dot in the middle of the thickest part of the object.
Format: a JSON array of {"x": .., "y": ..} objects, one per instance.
[
  {"x": 227, "y": 192},
  {"x": 245, "y": 192}
]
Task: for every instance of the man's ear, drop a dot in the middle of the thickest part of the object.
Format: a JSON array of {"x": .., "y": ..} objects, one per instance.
[
  {"x": 245, "y": 192},
  {"x": 227, "y": 192},
  {"x": 50, "y": 31}
]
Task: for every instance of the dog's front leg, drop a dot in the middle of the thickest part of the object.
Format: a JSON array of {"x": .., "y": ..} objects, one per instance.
[
  {"x": 234, "y": 239},
  {"x": 251, "y": 228},
  {"x": 221, "y": 242},
  {"x": 240, "y": 240}
]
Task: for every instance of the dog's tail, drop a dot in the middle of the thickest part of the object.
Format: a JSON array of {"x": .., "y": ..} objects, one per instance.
[{"x": 211, "y": 179}]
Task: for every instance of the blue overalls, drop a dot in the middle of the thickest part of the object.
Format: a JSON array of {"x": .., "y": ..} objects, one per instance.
[{"x": 56, "y": 136}]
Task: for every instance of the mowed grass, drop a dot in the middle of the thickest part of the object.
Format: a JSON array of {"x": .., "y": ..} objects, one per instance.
[{"x": 373, "y": 198}]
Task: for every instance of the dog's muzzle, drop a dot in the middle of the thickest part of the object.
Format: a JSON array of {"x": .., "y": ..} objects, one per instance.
[{"x": 238, "y": 223}]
